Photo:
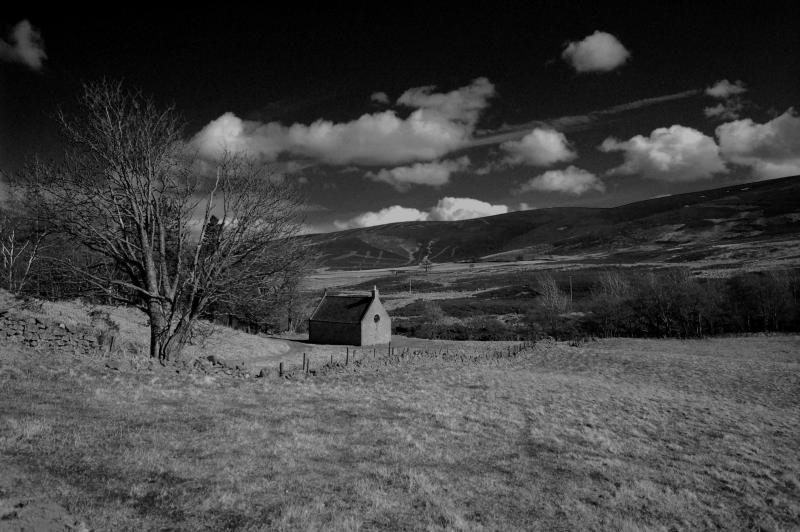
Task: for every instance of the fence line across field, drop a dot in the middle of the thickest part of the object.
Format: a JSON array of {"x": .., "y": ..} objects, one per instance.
[{"x": 394, "y": 356}]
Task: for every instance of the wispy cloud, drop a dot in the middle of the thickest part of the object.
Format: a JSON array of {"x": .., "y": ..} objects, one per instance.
[
  {"x": 570, "y": 123},
  {"x": 462, "y": 105},
  {"x": 725, "y": 89},
  {"x": 25, "y": 45},
  {"x": 646, "y": 102},
  {"x": 379, "y": 97},
  {"x": 732, "y": 103},
  {"x": 730, "y": 110}
]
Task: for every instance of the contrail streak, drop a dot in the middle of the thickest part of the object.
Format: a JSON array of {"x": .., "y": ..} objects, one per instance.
[{"x": 574, "y": 122}]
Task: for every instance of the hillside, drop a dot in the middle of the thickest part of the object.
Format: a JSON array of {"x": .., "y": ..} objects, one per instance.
[{"x": 727, "y": 222}]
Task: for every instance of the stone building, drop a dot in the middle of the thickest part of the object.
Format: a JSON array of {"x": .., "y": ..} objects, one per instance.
[{"x": 350, "y": 320}]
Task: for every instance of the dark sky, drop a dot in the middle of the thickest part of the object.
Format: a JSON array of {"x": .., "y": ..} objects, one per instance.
[{"x": 506, "y": 115}]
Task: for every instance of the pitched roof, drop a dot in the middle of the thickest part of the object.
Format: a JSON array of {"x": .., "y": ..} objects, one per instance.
[{"x": 342, "y": 309}]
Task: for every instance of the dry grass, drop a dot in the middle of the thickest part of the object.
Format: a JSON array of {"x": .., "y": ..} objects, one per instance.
[{"x": 617, "y": 435}]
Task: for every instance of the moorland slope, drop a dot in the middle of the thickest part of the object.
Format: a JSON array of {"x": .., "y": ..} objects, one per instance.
[{"x": 727, "y": 222}]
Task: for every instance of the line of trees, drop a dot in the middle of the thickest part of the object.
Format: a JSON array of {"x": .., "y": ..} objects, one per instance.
[
  {"x": 675, "y": 304},
  {"x": 132, "y": 215},
  {"x": 667, "y": 303}
]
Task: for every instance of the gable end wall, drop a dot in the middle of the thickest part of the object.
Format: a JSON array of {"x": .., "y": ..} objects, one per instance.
[{"x": 376, "y": 333}]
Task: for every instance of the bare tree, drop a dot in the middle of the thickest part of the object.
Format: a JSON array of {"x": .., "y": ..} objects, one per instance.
[
  {"x": 174, "y": 242},
  {"x": 613, "y": 285},
  {"x": 19, "y": 250},
  {"x": 553, "y": 300},
  {"x": 426, "y": 264},
  {"x": 612, "y": 302}
]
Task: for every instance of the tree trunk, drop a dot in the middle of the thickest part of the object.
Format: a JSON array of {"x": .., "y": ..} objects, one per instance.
[
  {"x": 176, "y": 340},
  {"x": 158, "y": 331},
  {"x": 167, "y": 343}
]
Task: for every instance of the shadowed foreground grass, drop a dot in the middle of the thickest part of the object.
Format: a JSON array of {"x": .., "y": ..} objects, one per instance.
[{"x": 618, "y": 434}]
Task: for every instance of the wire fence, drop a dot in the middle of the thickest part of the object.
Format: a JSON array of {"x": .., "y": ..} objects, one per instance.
[{"x": 352, "y": 360}]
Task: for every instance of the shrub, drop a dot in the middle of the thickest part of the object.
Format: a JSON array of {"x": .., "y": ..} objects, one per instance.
[
  {"x": 432, "y": 313},
  {"x": 487, "y": 328}
]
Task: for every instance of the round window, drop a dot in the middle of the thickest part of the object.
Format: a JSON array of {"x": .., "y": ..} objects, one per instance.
[{"x": 377, "y": 318}]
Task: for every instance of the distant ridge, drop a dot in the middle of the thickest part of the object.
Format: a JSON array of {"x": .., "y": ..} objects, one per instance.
[{"x": 674, "y": 228}]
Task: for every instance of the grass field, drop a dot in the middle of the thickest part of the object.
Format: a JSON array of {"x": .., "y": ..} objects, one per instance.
[{"x": 618, "y": 434}]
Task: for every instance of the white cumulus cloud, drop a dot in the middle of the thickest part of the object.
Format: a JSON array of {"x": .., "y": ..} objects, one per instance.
[
  {"x": 599, "y": 52},
  {"x": 452, "y": 209},
  {"x": 446, "y": 209},
  {"x": 434, "y": 174},
  {"x": 440, "y": 124},
  {"x": 672, "y": 154},
  {"x": 25, "y": 45},
  {"x": 540, "y": 147},
  {"x": 771, "y": 149},
  {"x": 570, "y": 180},
  {"x": 379, "y": 138},
  {"x": 725, "y": 89},
  {"x": 393, "y": 214},
  {"x": 231, "y": 133}
]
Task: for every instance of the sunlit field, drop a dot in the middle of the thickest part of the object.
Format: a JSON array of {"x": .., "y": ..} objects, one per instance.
[{"x": 617, "y": 434}]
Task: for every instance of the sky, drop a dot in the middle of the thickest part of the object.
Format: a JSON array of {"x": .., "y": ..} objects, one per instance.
[{"x": 415, "y": 113}]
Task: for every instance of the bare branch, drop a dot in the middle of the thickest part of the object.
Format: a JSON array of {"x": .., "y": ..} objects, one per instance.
[{"x": 127, "y": 192}]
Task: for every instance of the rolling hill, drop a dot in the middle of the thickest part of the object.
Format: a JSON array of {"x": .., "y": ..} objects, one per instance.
[{"x": 730, "y": 222}]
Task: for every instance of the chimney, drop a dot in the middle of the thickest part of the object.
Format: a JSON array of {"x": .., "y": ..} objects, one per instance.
[{"x": 374, "y": 292}]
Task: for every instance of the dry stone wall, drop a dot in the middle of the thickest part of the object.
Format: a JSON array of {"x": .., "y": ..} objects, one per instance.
[{"x": 42, "y": 333}]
